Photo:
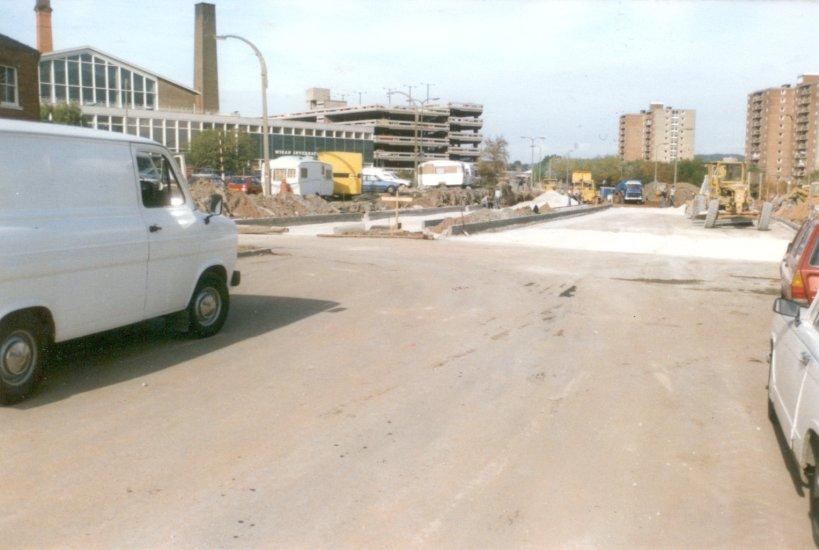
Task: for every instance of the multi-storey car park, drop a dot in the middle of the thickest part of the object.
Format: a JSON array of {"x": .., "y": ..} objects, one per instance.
[{"x": 404, "y": 134}]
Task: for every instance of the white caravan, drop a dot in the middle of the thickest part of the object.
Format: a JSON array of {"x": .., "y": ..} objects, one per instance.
[
  {"x": 445, "y": 173},
  {"x": 385, "y": 175},
  {"x": 305, "y": 176},
  {"x": 98, "y": 230}
]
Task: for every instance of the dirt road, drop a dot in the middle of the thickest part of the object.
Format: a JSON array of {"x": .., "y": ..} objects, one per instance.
[{"x": 396, "y": 393}]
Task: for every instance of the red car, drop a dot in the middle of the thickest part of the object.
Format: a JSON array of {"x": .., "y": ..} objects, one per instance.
[
  {"x": 245, "y": 184},
  {"x": 799, "y": 269}
]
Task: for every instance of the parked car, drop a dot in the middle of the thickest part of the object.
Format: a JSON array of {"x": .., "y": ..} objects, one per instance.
[
  {"x": 103, "y": 234},
  {"x": 793, "y": 390},
  {"x": 386, "y": 175},
  {"x": 799, "y": 268},
  {"x": 207, "y": 176},
  {"x": 374, "y": 184},
  {"x": 245, "y": 184}
]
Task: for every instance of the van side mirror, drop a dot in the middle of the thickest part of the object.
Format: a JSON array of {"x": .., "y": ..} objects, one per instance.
[
  {"x": 787, "y": 308},
  {"x": 215, "y": 207}
]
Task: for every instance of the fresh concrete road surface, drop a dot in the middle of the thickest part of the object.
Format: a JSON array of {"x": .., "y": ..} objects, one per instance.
[{"x": 461, "y": 393}]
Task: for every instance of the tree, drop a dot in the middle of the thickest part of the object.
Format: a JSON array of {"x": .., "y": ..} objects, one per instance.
[
  {"x": 230, "y": 152},
  {"x": 493, "y": 160},
  {"x": 61, "y": 113}
]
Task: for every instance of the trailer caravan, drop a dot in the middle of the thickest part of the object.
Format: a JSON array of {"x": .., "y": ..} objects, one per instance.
[
  {"x": 305, "y": 176},
  {"x": 346, "y": 171},
  {"x": 445, "y": 173}
]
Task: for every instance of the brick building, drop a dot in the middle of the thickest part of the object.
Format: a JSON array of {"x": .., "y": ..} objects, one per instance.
[
  {"x": 659, "y": 133},
  {"x": 19, "y": 96}
]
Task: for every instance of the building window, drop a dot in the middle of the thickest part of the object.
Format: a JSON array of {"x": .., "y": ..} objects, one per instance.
[{"x": 8, "y": 87}]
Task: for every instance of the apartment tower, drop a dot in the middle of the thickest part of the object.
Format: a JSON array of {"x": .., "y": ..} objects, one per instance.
[
  {"x": 780, "y": 131},
  {"x": 659, "y": 133}
]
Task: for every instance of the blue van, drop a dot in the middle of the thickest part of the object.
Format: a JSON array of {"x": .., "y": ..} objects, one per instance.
[{"x": 630, "y": 191}]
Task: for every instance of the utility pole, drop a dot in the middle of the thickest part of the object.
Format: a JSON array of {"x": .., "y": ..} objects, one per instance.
[
  {"x": 418, "y": 107},
  {"x": 359, "y": 96},
  {"x": 532, "y": 146},
  {"x": 266, "y": 183}
]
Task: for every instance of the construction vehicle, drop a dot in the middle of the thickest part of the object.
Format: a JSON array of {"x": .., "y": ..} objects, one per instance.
[
  {"x": 347, "y": 168},
  {"x": 583, "y": 184},
  {"x": 725, "y": 197}
]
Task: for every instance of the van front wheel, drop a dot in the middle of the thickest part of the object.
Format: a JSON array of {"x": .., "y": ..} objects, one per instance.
[
  {"x": 22, "y": 345},
  {"x": 208, "y": 307}
]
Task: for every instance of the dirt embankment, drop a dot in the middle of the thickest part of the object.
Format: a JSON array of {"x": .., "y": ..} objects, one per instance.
[
  {"x": 484, "y": 216},
  {"x": 684, "y": 192},
  {"x": 240, "y": 205}
]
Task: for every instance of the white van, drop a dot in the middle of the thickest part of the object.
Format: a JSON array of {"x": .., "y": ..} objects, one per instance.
[
  {"x": 305, "y": 176},
  {"x": 97, "y": 231},
  {"x": 444, "y": 173}
]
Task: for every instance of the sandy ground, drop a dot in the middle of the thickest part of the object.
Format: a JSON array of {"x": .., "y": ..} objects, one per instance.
[{"x": 423, "y": 393}]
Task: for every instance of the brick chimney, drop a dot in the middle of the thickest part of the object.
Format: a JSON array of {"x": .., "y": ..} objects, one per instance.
[
  {"x": 44, "y": 41},
  {"x": 205, "y": 71}
]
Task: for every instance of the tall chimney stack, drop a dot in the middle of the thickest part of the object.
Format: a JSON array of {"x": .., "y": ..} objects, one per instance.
[
  {"x": 205, "y": 70},
  {"x": 44, "y": 41}
]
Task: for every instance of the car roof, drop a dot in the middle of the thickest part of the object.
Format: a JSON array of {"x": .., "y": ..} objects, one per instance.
[{"x": 63, "y": 130}]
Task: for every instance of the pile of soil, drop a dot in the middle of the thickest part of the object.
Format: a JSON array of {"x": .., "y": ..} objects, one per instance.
[
  {"x": 792, "y": 208},
  {"x": 684, "y": 192},
  {"x": 431, "y": 198},
  {"x": 481, "y": 216},
  {"x": 239, "y": 205}
]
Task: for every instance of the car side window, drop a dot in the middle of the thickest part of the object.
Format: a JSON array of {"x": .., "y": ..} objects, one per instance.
[{"x": 159, "y": 186}]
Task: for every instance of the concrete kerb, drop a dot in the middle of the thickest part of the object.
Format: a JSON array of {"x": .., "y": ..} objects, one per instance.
[
  {"x": 384, "y": 214},
  {"x": 477, "y": 227},
  {"x": 303, "y": 220}
]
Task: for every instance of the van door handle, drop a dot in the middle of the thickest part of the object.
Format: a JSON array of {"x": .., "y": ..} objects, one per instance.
[
  {"x": 154, "y": 228},
  {"x": 804, "y": 358}
]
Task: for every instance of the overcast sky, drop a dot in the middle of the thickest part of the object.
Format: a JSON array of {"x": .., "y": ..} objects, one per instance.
[{"x": 563, "y": 70}]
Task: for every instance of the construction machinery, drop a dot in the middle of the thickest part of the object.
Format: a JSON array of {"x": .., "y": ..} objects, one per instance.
[
  {"x": 583, "y": 183},
  {"x": 725, "y": 198}
]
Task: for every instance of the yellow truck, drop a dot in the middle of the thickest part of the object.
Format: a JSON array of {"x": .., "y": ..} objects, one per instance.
[
  {"x": 347, "y": 169},
  {"x": 582, "y": 181}
]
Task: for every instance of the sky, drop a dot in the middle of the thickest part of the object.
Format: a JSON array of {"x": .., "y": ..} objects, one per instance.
[{"x": 561, "y": 70}]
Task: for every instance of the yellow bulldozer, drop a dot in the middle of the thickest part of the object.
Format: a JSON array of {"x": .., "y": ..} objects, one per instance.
[
  {"x": 725, "y": 198},
  {"x": 583, "y": 183}
]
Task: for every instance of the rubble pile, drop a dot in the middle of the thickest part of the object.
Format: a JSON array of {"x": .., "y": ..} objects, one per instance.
[{"x": 483, "y": 215}]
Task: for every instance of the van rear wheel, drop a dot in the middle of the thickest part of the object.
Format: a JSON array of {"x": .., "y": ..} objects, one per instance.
[
  {"x": 208, "y": 308},
  {"x": 22, "y": 347}
]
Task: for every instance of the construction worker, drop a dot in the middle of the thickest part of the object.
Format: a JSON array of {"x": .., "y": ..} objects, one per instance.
[
  {"x": 672, "y": 194},
  {"x": 497, "y": 197}
]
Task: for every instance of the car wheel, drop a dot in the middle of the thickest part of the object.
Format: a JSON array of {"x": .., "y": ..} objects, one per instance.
[
  {"x": 208, "y": 308},
  {"x": 22, "y": 349},
  {"x": 391, "y": 190},
  {"x": 764, "y": 222},
  {"x": 402, "y": 188},
  {"x": 711, "y": 216}
]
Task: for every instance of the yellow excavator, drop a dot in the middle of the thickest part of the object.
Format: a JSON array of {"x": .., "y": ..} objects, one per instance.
[{"x": 725, "y": 198}]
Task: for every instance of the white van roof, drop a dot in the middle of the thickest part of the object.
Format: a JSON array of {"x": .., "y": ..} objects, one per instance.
[{"x": 50, "y": 129}]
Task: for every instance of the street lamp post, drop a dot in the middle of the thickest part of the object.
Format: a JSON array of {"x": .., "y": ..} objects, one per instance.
[
  {"x": 417, "y": 105},
  {"x": 532, "y": 147},
  {"x": 266, "y": 183}
]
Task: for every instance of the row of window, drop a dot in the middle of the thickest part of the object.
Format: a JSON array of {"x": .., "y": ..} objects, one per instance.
[
  {"x": 92, "y": 80},
  {"x": 176, "y": 134}
]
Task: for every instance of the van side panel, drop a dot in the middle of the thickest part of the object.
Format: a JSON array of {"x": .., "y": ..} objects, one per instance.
[{"x": 71, "y": 235}]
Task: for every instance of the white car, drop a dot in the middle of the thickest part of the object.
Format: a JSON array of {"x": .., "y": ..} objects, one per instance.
[
  {"x": 793, "y": 389},
  {"x": 98, "y": 230}
]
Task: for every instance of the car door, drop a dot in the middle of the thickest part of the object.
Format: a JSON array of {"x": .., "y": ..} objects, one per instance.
[
  {"x": 793, "y": 353},
  {"x": 174, "y": 232}
]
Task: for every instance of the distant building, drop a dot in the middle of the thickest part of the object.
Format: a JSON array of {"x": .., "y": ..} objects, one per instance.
[
  {"x": 18, "y": 80},
  {"x": 659, "y": 133},
  {"x": 88, "y": 76},
  {"x": 442, "y": 131},
  {"x": 769, "y": 132},
  {"x": 780, "y": 131}
]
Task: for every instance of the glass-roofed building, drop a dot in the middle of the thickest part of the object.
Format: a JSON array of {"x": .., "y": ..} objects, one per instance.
[{"x": 88, "y": 76}]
